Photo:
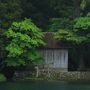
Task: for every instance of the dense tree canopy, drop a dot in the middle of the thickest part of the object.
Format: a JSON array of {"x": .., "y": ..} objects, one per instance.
[
  {"x": 9, "y": 11},
  {"x": 23, "y": 38},
  {"x": 70, "y": 19},
  {"x": 79, "y": 36}
]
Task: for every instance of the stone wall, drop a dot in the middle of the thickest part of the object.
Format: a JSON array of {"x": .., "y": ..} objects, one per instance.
[
  {"x": 68, "y": 75},
  {"x": 56, "y": 75}
]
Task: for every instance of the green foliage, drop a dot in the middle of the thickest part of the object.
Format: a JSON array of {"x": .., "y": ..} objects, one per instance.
[
  {"x": 2, "y": 78},
  {"x": 57, "y": 23},
  {"x": 24, "y": 37},
  {"x": 64, "y": 34},
  {"x": 79, "y": 37},
  {"x": 35, "y": 56},
  {"x": 70, "y": 36},
  {"x": 9, "y": 11},
  {"x": 80, "y": 34},
  {"x": 82, "y": 23},
  {"x": 42, "y": 10},
  {"x": 82, "y": 27},
  {"x": 62, "y": 7},
  {"x": 83, "y": 4}
]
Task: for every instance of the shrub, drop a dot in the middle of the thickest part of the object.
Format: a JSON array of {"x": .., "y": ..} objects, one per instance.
[{"x": 2, "y": 78}]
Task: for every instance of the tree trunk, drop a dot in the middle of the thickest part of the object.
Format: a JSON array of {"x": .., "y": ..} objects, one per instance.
[
  {"x": 77, "y": 7},
  {"x": 81, "y": 66}
]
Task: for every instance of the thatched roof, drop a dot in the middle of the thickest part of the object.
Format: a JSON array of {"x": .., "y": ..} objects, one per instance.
[{"x": 51, "y": 42}]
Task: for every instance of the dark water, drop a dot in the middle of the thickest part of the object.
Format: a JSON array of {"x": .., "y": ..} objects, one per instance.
[{"x": 45, "y": 85}]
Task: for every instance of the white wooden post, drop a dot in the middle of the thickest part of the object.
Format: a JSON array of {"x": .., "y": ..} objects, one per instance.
[{"x": 37, "y": 71}]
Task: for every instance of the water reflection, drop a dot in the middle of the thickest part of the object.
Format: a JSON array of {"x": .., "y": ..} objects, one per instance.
[{"x": 45, "y": 85}]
